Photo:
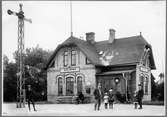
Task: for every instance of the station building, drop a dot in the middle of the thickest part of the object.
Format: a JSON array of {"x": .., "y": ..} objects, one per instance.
[{"x": 78, "y": 65}]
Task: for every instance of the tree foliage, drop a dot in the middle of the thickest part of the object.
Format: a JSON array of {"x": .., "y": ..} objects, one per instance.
[
  {"x": 153, "y": 88},
  {"x": 9, "y": 80},
  {"x": 157, "y": 89},
  {"x": 36, "y": 58}
]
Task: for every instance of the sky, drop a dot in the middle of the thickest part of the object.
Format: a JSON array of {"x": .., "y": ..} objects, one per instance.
[{"x": 51, "y": 24}]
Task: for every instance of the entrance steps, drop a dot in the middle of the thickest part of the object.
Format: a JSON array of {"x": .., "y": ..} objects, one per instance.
[{"x": 65, "y": 100}]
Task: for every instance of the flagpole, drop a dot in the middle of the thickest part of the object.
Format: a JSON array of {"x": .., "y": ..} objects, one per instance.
[{"x": 71, "y": 17}]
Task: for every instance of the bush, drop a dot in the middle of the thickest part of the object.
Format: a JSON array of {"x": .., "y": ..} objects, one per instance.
[{"x": 160, "y": 92}]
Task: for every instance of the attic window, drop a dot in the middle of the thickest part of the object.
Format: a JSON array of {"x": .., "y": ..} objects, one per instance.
[
  {"x": 87, "y": 61},
  {"x": 73, "y": 57},
  {"x": 65, "y": 58}
]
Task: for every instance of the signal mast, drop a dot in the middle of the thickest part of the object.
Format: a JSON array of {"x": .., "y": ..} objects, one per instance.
[{"x": 20, "y": 73}]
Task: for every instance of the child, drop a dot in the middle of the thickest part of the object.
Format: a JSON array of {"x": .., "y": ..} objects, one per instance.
[
  {"x": 111, "y": 98},
  {"x": 106, "y": 100},
  {"x": 135, "y": 100}
]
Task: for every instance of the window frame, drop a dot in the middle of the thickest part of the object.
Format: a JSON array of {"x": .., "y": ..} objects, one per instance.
[
  {"x": 73, "y": 57},
  {"x": 146, "y": 86},
  {"x": 60, "y": 86},
  {"x": 65, "y": 58},
  {"x": 79, "y": 84}
]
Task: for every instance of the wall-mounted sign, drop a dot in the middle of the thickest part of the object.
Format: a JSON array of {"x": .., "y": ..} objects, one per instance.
[
  {"x": 69, "y": 69},
  {"x": 144, "y": 69}
]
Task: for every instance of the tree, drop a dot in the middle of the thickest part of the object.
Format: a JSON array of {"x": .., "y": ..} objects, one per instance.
[
  {"x": 160, "y": 87},
  {"x": 161, "y": 75},
  {"x": 153, "y": 88},
  {"x": 9, "y": 80},
  {"x": 160, "y": 91},
  {"x": 36, "y": 58}
]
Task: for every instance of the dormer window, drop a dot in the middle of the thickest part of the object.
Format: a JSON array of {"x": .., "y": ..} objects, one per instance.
[
  {"x": 87, "y": 61},
  {"x": 73, "y": 58},
  {"x": 65, "y": 58}
]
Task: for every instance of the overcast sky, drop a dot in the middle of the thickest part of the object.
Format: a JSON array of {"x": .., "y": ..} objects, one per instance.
[{"x": 51, "y": 23}]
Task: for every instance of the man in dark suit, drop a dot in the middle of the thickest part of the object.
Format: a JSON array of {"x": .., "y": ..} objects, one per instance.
[
  {"x": 98, "y": 96},
  {"x": 30, "y": 97},
  {"x": 140, "y": 94}
]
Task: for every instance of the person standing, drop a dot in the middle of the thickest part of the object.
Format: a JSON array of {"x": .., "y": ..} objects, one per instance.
[
  {"x": 98, "y": 95},
  {"x": 106, "y": 100},
  {"x": 30, "y": 97},
  {"x": 111, "y": 98},
  {"x": 80, "y": 98},
  {"x": 135, "y": 100},
  {"x": 140, "y": 94}
]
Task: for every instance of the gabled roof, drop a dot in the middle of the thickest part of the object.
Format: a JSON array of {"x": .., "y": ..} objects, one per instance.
[
  {"x": 123, "y": 51},
  {"x": 84, "y": 46}
]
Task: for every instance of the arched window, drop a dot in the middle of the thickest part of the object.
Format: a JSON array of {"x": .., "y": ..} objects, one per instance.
[
  {"x": 60, "y": 86},
  {"x": 69, "y": 86},
  {"x": 79, "y": 84}
]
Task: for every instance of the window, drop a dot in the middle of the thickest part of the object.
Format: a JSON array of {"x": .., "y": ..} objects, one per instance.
[
  {"x": 69, "y": 86},
  {"x": 146, "y": 86},
  {"x": 65, "y": 58},
  {"x": 87, "y": 61},
  {"x": 73, "y": 58},
  {"x": 60, "y": 86},
  {"x": 79, "y": 84}
]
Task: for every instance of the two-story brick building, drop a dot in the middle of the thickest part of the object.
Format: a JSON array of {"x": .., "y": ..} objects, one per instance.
[{"x": 79, "y": 65}]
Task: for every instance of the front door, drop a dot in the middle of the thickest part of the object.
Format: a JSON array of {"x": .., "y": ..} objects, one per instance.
[
  {"x": 108, "y": 82},
  {"x": 69, "y": 86}
]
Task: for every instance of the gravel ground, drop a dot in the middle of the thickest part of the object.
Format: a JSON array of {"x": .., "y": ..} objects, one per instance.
[{"x": 82, "y": 110}]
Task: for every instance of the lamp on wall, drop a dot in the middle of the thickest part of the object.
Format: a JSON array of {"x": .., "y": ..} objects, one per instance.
[{"x": 116, "y": 80}]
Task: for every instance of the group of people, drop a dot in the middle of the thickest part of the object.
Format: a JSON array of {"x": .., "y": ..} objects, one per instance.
[
  {"x": 98, "y": 95},
  {"x": 109, "y": 98}
]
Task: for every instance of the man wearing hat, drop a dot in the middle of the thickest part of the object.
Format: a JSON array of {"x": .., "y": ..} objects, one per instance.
[
  {"x": 98, "y": 96},
  {"x": 140, "y": 94}
]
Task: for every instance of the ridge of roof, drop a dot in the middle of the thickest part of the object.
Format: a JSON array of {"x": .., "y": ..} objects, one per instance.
[
  {"x": 91, "y": 51},
  {"x": 126, "y": 38}
]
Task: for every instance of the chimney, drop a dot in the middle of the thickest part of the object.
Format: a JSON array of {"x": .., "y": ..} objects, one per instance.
[
  {"x": 111, "y": 35},
  {"x": 90, "y": 37}
]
